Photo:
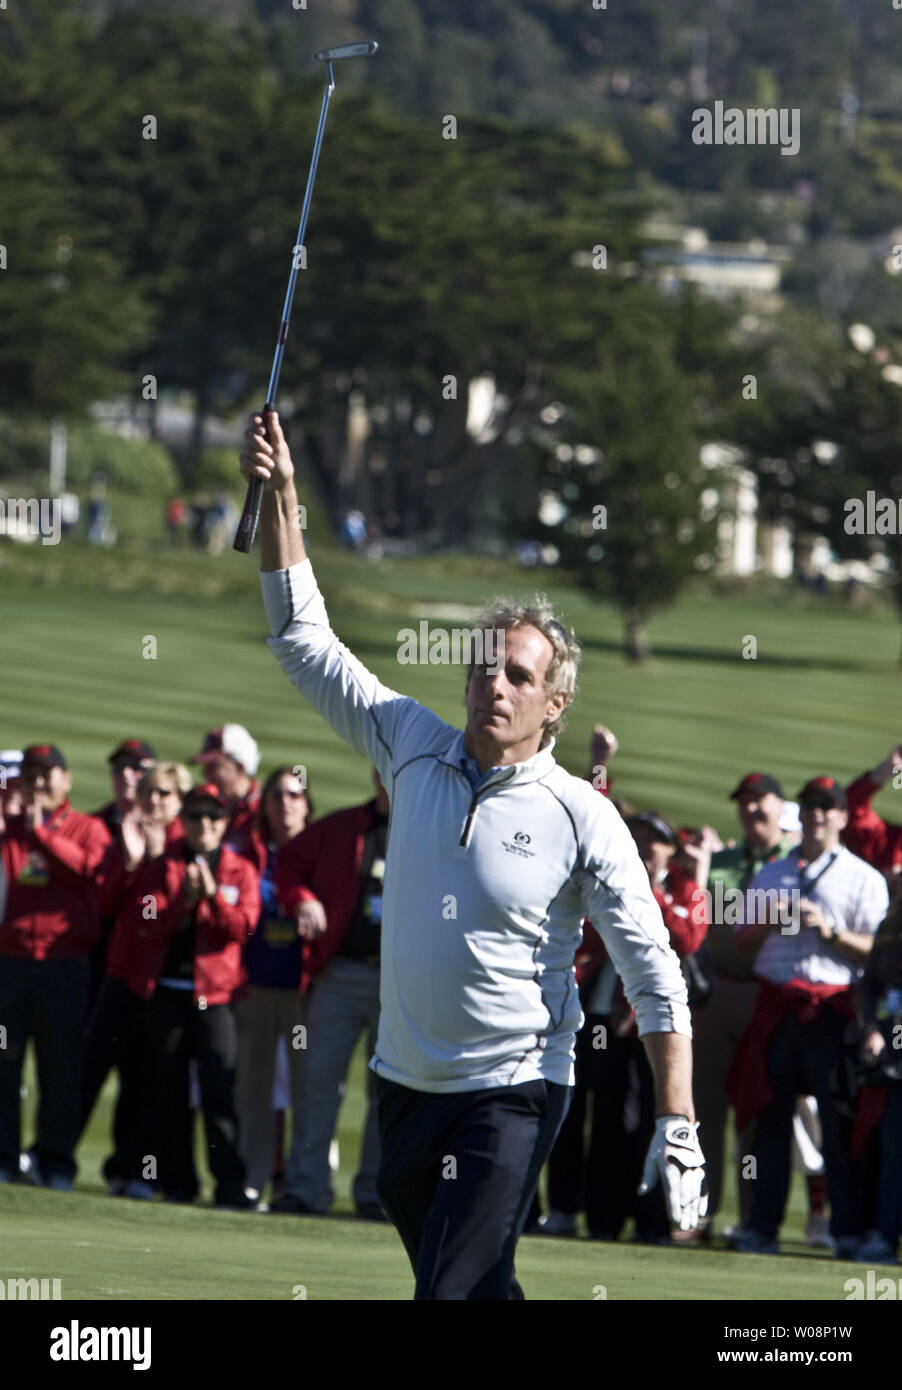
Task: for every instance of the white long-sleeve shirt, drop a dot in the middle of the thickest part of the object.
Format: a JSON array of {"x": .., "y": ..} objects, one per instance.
[
  {"x": 852, "y": 895},
  {"x": 485, "y": 890}
]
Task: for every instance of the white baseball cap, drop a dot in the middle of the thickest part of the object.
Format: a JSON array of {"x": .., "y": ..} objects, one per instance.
[{"x": 235, "y": 741}]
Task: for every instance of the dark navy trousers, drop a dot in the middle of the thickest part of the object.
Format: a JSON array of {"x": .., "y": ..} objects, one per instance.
[{"x": 457, "y": 1176}]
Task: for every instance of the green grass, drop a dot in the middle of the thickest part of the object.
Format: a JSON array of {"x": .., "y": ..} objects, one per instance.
[
  {"x": 103, "y": 1248},
  {"x": 822, "y": 695},
  {"x": 114, "y": 1249}
]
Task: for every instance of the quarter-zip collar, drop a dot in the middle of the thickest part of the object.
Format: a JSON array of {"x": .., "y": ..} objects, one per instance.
[{"x": 514, "y": 774}]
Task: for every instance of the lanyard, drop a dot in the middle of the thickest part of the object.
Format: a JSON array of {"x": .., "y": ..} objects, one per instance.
[{"x": 806, "y": 884}]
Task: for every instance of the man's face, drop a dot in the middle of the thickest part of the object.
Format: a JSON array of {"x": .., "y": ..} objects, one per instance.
[
  {"x": 822, "y": 825},
  {"x": 226, "y": 775},
  {"x": 655, "y": 854},
  {"x": 511, "y": 707},
  {"x": 204, "y": 828},
  {"x": 126, "y": 773},
  {"x": 48, "y": 785},
  {"x": 760, "y": 817},
  {"x": 286, "y": 807}
]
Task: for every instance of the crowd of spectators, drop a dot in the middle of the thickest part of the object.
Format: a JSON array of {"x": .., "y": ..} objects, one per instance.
[{"x": 218, "y": 947}]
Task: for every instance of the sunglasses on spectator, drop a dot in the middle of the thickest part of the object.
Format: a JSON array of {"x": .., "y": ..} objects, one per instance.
[
  {"x": 161, "y": 791},
  {"x": 203, "y": 815},
  {"x": 135, "y": 764},
  {"x": 817, "y": 803},
  {"x": 292, "y": 796}
]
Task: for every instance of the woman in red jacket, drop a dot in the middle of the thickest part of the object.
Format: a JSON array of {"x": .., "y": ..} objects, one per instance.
[{"x": 201, "y": 902}]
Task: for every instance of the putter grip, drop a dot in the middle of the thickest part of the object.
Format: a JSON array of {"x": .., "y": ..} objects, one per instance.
[
  {"x": 250, "y": 515},
  {"x": 247, "y": 526}
]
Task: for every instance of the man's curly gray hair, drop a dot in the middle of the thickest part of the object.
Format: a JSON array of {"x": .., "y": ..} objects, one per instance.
[{"x": 503, "y": 614}]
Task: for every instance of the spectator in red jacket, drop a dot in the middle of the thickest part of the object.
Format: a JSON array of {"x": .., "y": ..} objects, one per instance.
[
  {"x": 116, "y": 1032},
  {"x": 867, "y": 834},
  {"x": 274, "y": 1009},
  {"x": 51, "y": 857},
  {"x": 341, "y": 858},
  {"x": 230, "y": 759},
  {"x": 128, "y": 762},
  {"x": 202, "y": 902}
]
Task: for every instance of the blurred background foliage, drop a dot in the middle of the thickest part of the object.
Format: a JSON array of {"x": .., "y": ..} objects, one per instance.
[{"x": 432, "y": 259}]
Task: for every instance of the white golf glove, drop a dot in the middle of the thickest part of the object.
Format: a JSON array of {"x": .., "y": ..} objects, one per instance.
[{"x": 675, "y": 1157}]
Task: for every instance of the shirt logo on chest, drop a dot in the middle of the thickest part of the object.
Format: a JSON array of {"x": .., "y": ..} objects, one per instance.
[{"x": 518, "y": 845}]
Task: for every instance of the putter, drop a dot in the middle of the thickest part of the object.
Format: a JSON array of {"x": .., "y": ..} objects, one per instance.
[{"x": 250, "y": 516}]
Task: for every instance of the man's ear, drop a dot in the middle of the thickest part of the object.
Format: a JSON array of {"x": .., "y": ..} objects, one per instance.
[{"x": 560, "y": 701}]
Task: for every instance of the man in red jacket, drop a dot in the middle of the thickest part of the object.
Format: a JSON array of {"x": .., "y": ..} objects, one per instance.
[
  {"x": 51, "y": 858},
  {"x": 128, "y": 762},
  {"x": 340, "y": 859}
]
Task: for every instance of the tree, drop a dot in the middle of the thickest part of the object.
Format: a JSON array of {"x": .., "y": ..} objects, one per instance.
[
  {"x": 67, "y": 309},
  {"x": 622, "y": 467}
]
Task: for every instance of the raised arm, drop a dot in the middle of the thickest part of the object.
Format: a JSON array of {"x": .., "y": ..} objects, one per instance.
[
  {"x": 266, "y": 455},
  {"x": 377, "y": 722}
]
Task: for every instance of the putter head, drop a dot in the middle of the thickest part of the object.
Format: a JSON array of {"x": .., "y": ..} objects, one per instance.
[{"x": 348, "y": 50}]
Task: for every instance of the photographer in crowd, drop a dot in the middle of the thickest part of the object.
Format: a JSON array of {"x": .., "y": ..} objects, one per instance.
[
  {"x": 719, "y": 1027},
  {"x": 51, "y": 857},
  {"x": 797, "y": 1036}
]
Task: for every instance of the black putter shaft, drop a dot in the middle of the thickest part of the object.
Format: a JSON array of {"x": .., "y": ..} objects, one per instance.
[{"x": 250, "y": 515}]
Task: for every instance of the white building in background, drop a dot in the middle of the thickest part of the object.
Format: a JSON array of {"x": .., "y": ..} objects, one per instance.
[
  {"x": 752, "y": 269},
  {"x": 747, "y": 545}
]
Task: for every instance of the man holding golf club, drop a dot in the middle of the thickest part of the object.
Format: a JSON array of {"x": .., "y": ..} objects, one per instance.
[{"x": 495, "y": 854}]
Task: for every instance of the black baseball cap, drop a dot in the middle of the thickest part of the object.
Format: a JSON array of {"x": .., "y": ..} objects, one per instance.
[
  {"x": 44, "y": 755},
  {"x": 757, "y": 784},
  {"x": 133, "y": 749},
  {"x": 663, "y": 833},
  {"x": 824, "y": 789}
]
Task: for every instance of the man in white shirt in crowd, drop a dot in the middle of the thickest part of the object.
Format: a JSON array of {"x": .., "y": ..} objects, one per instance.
[
  {"x": 494, "y": 856},
  {"x": 812, "y": 917}
]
